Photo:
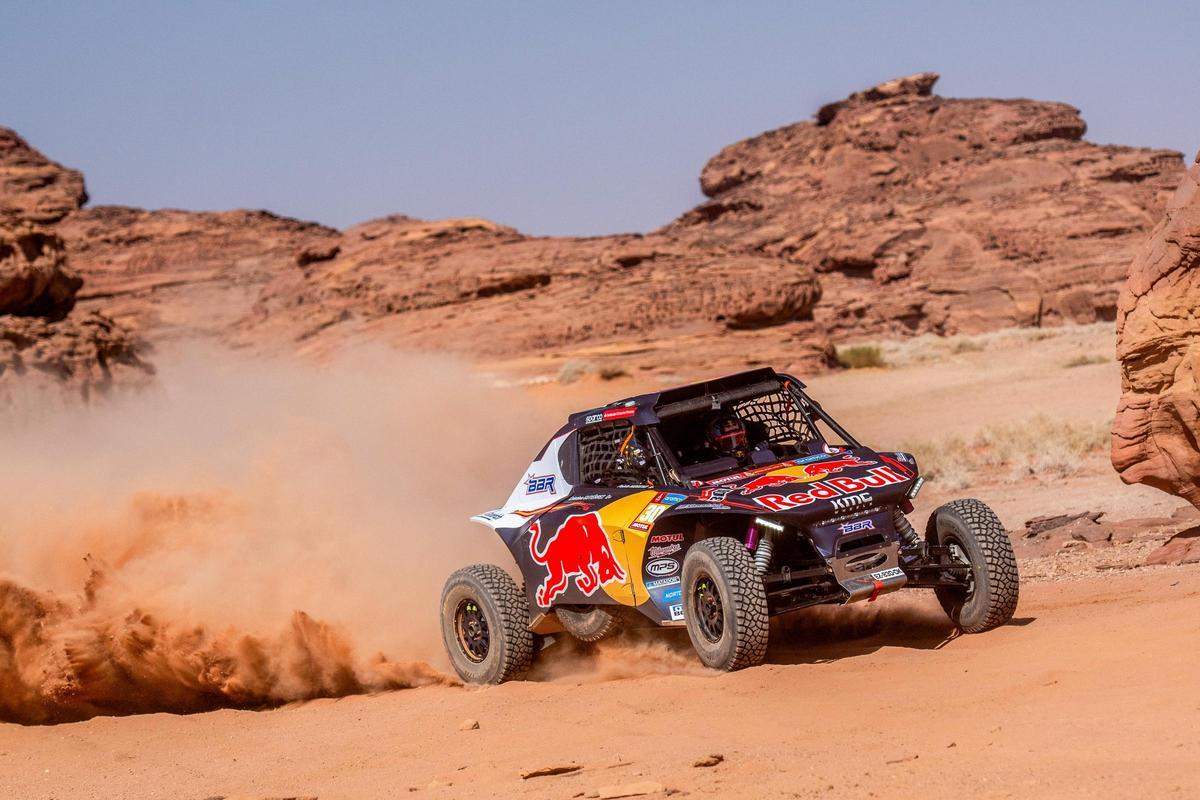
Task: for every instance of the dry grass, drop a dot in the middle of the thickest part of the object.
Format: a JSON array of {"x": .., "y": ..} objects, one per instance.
[
  {"x": 860, "y": 356},
  {"x": 1085, "y": 360},
  {"x": 1039, "y": 447},
  {"x": 929, "y": 348},
  {"x": 574, "y": 370}
]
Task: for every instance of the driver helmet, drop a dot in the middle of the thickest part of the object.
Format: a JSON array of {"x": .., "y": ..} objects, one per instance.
[{"x": 727, "y": 435}]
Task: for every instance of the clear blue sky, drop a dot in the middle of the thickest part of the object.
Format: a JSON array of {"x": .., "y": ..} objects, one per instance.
[{"x": 555, "y": 117}]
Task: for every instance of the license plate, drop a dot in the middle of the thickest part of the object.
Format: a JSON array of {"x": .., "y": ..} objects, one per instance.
[{"x": 887, "y": 574}]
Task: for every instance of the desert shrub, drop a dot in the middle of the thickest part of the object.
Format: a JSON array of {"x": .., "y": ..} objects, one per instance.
[
  {"x": 1040, "y": 446},
  {"x": 859, "y": 356},
  {"x": 963, "y": 345},
  {"x": 574, "y": 370},
  {"x": 1084, "y": 360},
  {"x": 611, "y": 372}
]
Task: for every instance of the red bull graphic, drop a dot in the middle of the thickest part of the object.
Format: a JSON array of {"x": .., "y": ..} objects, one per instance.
[
  {"x": 579, "y": 548},
  {"x": 832, "y": 488},
  {"x": 826, "y": 467}
]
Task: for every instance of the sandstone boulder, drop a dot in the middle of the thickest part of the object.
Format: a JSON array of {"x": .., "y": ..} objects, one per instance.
[
  {"x": 1156, "y": 430},
  {"x": 32, "y": 186},
  {"x": 34, "y": 280}
]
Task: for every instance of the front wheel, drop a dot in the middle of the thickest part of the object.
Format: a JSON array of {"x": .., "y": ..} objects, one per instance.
[
  {"x": 725, "y": 604},
  {"x": 974, "y": 536},
  {"x": 485, "y": 625}
]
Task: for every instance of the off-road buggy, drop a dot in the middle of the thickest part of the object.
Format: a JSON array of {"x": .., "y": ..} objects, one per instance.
[{"x": 689, "y": 537}]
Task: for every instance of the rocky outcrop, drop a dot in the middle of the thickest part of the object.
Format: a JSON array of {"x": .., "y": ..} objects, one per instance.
[
  {"x": 47, "y": 349},
  {"x": 893, "y": 212},
  {"x": 32, "y": 187},
  {"x": 79, "y": 358},
  {"x": 34, "y": 280},
  {"x": 922, "y": 213},
  {"x": 474, "y": 286},
  {"x": 172, "y": 274},
  {"x": 1157, "y": 427}
]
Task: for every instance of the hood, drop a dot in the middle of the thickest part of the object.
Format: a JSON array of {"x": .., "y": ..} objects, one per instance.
[{"x": 817, "y": 486}]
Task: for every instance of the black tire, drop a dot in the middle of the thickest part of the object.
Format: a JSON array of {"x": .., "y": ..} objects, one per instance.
[
  {"x": 589, "y": 624},
  {"x": 991, "y": 600},
  {"x": 485, "y": 625},
  {"x": 725, "y": 604}
]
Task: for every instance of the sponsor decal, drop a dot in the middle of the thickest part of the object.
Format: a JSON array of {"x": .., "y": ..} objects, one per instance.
[
  {"x": 702, "y": 507},
  {"x": 663, "y": 566},
  {"x": 676, "y": 612},
  {"x": 594, "y": 497},
  {"x": 654, "y": 509},
  {"x": 645, "y": 520},
  {"x": 857, "y": 525},
  {"x": 666, "y": 537},
  {"x": 850, "y": 501},
  {"x": 842, "y": 492},
  {"x": 609, "y": 414},
  {"x": 886, "y": 574},
  {"x": 825, "y": 467},
  {"x": 833, "y": 449},
  {"x": 539, "y": 484},
  {"x": 662, "y": 582},
  {"x": 658, "y": 551},
  {"x": 672, "y": 595},
  {"x": 491, "y": 516},
  {"x": 714, "y": 494},
  {"x": 579, "y": 549}
]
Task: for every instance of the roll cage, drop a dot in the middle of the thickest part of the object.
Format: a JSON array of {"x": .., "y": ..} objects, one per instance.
[{"x": 668, "y": 427}]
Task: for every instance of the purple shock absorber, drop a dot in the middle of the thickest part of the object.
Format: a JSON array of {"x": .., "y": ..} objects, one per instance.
[{"x": 751, "y": 537}]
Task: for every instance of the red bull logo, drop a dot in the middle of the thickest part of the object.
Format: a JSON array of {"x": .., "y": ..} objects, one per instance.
[
  {"x": 834, "y": 465},
  {"x": 579, "y": 549},
  {"x": 818, "y": 469},
  {"x": 841, "y": 492}
]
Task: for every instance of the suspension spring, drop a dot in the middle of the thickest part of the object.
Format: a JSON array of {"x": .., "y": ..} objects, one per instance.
[
  {"x": 762, "y": 554},
  {"x": 908, "y": 536}
]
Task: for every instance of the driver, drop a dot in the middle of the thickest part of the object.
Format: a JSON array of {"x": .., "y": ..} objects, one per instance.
[{"x": 727, "y": 435}]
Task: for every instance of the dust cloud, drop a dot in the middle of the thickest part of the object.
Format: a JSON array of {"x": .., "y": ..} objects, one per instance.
[{"x": 246, "y": 534}]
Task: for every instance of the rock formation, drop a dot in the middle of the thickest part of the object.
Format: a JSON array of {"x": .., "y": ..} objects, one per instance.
[
  {"x": 45, "y": 349},
  {"x": 33, "y": 187},
  {"x": 34, "y": 280},
  {"x": 893, "y": 212},
  {"x": 922, "y": 213},
  {"x": 914, "y": 213},
  {"x": 1157, "y": 428}
]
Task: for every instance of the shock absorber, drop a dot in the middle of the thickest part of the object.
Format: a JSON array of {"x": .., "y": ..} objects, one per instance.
[
  {"x": 762, "y": 554},
  {"x": 765, "y": 544},
  {"x": 908, "y": 536}
]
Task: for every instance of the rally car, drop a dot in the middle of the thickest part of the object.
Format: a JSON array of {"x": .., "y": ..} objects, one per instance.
[{"x": 713, "y": 506}]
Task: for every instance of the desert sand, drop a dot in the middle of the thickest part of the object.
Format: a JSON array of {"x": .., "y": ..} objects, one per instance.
[{"x": 1087, "y": 693}]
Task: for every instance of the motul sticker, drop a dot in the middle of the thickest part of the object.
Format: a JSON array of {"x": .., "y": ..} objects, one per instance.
[{"x": 578, "y": 549}]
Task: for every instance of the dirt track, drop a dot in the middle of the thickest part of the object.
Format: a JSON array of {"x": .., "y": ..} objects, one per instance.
[{"x": 1089, "y": 693}]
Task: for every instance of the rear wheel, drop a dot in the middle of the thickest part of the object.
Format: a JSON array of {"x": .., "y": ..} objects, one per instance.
[
  {"x": 589, "y": 623},
  {"x": 725, "y": 604},
  {"x": 975, "y": 536},
  {"x": 485, "y": 625}
]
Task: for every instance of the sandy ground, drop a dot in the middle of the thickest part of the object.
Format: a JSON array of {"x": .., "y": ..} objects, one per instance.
[{"x": 1090, "y": 692}]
